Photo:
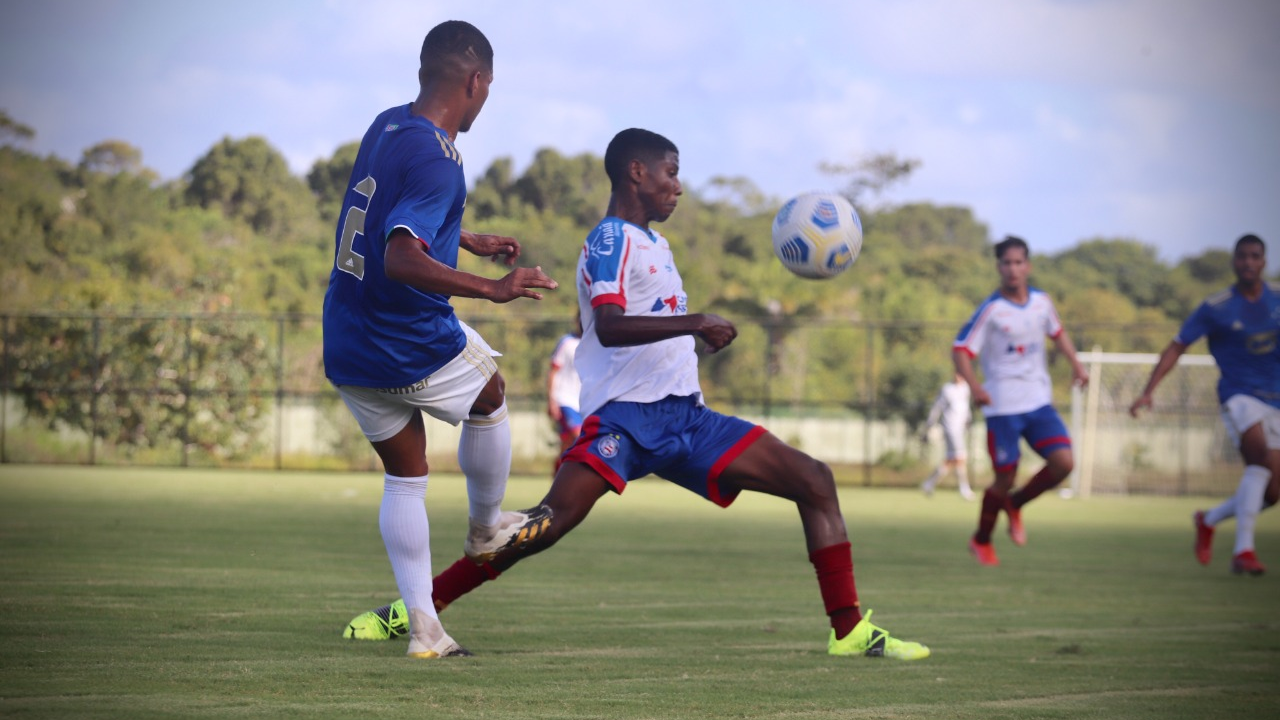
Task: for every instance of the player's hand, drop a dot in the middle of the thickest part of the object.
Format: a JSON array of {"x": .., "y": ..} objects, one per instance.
[
  {"x": 1080, "y": 376},
  {"x": 516, "y": 284},
  {"x": 716, "y": 332},
  {"x": 1143, "y": 402},
  {"x": 494, "y": 247},
  {"x": 980, "y": 395}
]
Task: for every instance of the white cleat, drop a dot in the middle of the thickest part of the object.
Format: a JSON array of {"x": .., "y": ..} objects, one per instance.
[
  {"x": 484, "y": 541},
  {"x": 427, "y": 638}
]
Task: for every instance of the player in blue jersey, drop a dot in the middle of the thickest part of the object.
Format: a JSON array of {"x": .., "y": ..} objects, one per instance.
[
  {"x": 393, "y": 347},
  {"x": 1008, "y": 332},
  {"x": 644, "y": 409},
  {"x": 1242, "y": 324}
]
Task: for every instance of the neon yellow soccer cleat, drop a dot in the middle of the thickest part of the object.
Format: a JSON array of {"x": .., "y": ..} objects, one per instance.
[
  {"x": 871, "y": 641},
  {"x": 385, "y": 623}
]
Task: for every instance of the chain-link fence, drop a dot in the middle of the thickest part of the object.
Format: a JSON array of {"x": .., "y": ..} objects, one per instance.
[{"x": 249, "y": 391}]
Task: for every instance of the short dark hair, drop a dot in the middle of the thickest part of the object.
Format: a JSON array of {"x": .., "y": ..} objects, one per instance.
[
  {"x": 453, "y": 47},
  {"x": 1012, "y": 241},
  {"x": 1251, "y": 239},
  {"x": 633, "y": 144}
]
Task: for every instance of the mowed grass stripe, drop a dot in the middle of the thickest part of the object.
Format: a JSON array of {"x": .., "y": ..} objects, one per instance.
[{"x": 161, "y": 593}]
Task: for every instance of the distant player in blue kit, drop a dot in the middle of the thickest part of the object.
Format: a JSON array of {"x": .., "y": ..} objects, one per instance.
[
  {"x": 1242, "y": 324},
  {"x": 393, "y": 347},
  {"x": 1008, "y": 332},
  {"x": 644, "y": 408}
]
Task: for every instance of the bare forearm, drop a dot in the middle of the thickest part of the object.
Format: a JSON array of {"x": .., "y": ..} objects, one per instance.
[{"x": 623, "y": 330}]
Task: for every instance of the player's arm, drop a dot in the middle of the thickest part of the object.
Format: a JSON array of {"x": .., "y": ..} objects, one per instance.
[
  {"x": 964, "y": 365},
  {"x": 494, "y": 247},
  {"x": 1080, "y": 376},
  {"x": 617, "y": 329},
  {"x": 1167, "y": 360},
  {"x": 407, "y": 262}
]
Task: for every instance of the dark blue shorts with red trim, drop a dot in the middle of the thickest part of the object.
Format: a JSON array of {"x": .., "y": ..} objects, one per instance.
[
  {"x": 1043, "y": 429},
  {"x": 675, "y": 438}
]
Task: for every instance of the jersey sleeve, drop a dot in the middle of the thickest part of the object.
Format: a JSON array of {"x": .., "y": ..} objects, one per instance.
[
  {"x": 608, "y": 251},
  {"x": 1195, "y": 327},
  {"x": 974, "y": 332},
  {"x": 1052, "y": 323},
  {"x": 429, "y": 191}
]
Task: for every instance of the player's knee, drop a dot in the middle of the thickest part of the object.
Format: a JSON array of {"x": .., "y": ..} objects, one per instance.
[{"x": 817, "y": 481}]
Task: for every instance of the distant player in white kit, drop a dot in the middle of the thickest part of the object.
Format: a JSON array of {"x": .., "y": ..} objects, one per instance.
[
  {"x": 1242, "y": 324},
  {"x": 1008, "y": 332},
  {"x": 951, "y": 410},
  {"x": 563, "y": 388}
]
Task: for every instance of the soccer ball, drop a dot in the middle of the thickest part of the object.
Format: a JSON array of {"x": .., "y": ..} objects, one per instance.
[{"x": 817, "y": 235}]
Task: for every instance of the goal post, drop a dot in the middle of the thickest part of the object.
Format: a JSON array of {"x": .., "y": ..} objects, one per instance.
[{"x": 1178, "y": 447}]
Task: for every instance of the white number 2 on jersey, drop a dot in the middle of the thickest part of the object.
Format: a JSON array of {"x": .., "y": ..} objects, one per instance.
[{"x": 348, "y": 260}]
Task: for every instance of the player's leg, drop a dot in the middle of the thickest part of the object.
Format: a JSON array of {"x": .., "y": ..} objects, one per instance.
[
  {"x": 1047, "y": 435},
  {"x": 770, "y": 466},
  {"x": 960, "y": 466},
  {"x": 1249, "y": 498},
  {"x": 406, "y": 533},
  {"x": 1003, "y": 435}
]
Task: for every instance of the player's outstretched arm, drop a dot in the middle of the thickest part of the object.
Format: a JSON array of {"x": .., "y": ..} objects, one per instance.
[
  {"x": 407, "y": 262},
  {"x": 616, "y": 329},
  {"x": 494, "y": 247},
  {"x": 1167, "y": 360}
]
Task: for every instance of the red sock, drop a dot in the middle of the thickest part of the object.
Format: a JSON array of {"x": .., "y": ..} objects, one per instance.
[
  {"x": 459, "y": 579},
  {"x": 1043, "y": 480},
  {"x": 834, "y": 566},
  {"x": 992, "y": 504}
]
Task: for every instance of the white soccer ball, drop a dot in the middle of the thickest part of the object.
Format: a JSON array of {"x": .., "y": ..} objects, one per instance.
[{"x": 817, "y": 235}]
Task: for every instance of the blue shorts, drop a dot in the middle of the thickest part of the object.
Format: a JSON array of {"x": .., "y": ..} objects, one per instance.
[
  {"x": 1042, "y": 428},
  {"x": 570, "y": 420},
  {"x": 674, "y": 438}
]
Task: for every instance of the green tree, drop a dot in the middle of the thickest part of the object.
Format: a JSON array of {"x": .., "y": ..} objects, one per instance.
[{"x": 328, "y": 179}]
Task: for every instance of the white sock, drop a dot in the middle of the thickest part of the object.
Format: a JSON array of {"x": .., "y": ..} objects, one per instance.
[
  {"x": 484, "y": 456},
  {"x": 932, "y": 480},
  {"x": 962, "y": 478},
  {"x": 1249, "y": 503},
  {"x": 403, "y": 521},
  {"x": 1225, "y": 511}
]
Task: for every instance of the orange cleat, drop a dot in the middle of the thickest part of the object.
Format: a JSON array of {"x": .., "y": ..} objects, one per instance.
[
  {"x": 1246, "y": 563},
  {"x": 1017, "y": 533},
  {"x": 984, "y": 553},
  {"x": 1204, "y": 538}
]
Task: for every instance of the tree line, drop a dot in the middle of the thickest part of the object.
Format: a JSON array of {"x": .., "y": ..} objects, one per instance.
[{"x": 239, "y": 234}]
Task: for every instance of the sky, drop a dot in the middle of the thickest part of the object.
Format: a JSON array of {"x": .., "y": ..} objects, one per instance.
[{"x": 1055, "y": 120}]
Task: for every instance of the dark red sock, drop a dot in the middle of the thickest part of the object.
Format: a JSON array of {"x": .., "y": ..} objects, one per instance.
[
  {"x": 459, "y": 579},
  {"x": 992, "y": 504},
  {"x": 1043, "y": 480},
  {"x": 834, "y": 566}
]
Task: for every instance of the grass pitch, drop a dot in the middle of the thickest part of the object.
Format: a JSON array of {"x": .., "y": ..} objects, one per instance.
[{"x": 170, "y": 593}]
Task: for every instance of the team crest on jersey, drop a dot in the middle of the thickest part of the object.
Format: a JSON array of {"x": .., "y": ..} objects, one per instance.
[
  {"x": 390, "y": 127},
  {"x": 607, "y": 446}
]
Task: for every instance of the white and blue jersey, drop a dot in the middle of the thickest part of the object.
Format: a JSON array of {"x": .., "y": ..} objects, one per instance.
[
  {"x": 379, "y": 333},
  {"x": 1010, "y": 341},
  {"x": 1242, "y": 338},
  {"x": 626, "y": 265}
]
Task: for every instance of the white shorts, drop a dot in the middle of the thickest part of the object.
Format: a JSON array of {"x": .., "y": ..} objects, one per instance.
[
  {"x": 1241, "y": 412},
  {"x": 954, "y": 439},
  {"x": 447, "y": 394}
]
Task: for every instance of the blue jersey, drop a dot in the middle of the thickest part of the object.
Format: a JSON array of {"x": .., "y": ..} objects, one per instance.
[
  {"x": 380, "y": 333},
  {"x": 1242, "y": 339}
]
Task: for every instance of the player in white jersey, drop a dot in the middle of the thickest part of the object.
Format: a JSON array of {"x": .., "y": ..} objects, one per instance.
[
  {"x": 564, "y": 389},
  {"x": 951, "y": 411},
  {"x": 1242, "y": 325},
  {"x": 1008, "y": 332},
  {"x": 645, "y": 413}
]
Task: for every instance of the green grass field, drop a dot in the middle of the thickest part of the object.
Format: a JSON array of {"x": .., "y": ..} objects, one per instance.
[{"x": 160, "y": 593}]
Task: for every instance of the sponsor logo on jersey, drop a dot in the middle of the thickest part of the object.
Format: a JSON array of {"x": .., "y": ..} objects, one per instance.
[
  {"x": 390, "y": 128},
  {"x": 603, "y": 242}
]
